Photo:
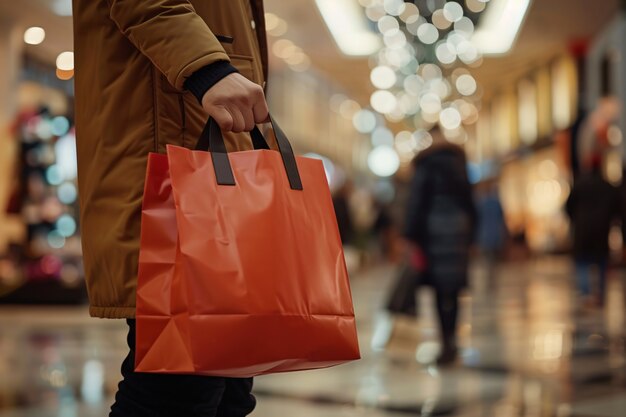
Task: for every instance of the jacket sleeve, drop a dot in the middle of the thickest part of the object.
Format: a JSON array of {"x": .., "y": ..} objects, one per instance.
[
  {"x": 170, "y": 33},
  {"x": 206, "y": 77},
  {"x": 416, "y": 210}
]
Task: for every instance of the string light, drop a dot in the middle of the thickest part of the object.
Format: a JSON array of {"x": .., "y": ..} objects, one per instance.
[
  {"x": 383, "y": 77},
  {"x": 412, "y": 89}
]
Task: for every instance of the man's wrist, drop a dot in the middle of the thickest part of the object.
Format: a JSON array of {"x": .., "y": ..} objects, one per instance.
[{"x": 206, "y": 77}]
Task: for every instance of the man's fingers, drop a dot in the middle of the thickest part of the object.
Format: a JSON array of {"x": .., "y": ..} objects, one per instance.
[
  {"x": 223, "y": 118},
  {"x": 236, "y": 104},
  {"x": 239, "y": 123},
  {"x": 261, "y": 112},
  {"x": 248, "y": 118}
]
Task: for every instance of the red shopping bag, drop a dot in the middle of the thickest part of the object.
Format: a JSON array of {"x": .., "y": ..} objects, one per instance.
[{"x": 241, "y": 269}]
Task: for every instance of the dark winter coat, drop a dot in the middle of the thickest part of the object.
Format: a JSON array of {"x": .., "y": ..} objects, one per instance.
[
  {"x": 593, "y": 206},
  {"x": 441, "y": 215},
  {"x": 344, "y": 218}
]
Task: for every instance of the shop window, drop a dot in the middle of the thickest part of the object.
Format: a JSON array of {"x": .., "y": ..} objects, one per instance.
[
  {"x": 564, "y": 87},
  {"x": 544, "y": 107},
  {"x": 527, "y": 109}
]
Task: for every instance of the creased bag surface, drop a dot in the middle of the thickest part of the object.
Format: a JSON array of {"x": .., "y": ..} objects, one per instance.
[{"x": 240, "y": 280}]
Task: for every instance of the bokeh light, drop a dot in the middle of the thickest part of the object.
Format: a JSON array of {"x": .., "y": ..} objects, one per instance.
[
  {"x": 34, "y": 35},
  {"x": 410, "y": 14},
  {"x": 465, "y": 25},
  {"x": 414, "y": 84},
  {"x": 405, "y": 143},
  {"x": 53, "y": 175},
  {"x": 383, "y": 101},
  {"x": 440, "y": 20},
  {"x": 388, "y": 25},
  {"x": 453, "y": 11},
  {"x": 466, "y": 85},
  {"x": 60, "y": 126},
  {"x": 66, "y": 225},
  {"x": 430, "y": 103},
  {"x": 65, "y": 61},
  {"x": 428, "y": 33},
  {"x": 394, "y": 7},
  {"x": 364, "y": 121},
  {"x": 475, "y": 6},
  {"x": 274, "y": 25},
  {"x": 383, "y": 161},
  {"x": 67, "y": 193},
  {"x": 450, "y": 118},
  {"x": 348, "y": 108},
  {"x": 382, "y": 136},
  {"x": 56, "y": 240},
  {"x": 445, "y": 54}
]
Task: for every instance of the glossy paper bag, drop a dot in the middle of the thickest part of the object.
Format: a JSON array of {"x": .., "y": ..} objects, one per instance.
[{"x": 241, "y": 267}]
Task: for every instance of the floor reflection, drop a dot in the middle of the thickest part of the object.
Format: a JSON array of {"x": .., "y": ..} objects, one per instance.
[{"x": 527, "y": 351}]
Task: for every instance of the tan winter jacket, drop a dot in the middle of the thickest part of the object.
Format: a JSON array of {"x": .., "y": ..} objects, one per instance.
[{"x": 132, "y": 58}]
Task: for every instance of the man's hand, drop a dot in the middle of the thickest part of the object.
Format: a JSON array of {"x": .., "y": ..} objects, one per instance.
[{"x": 236, "y": 104}]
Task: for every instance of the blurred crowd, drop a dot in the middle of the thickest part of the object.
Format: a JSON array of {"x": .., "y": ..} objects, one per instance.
[{"x": 439, "y": 222}]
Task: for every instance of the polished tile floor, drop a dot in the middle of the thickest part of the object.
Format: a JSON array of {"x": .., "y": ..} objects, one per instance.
[{"x": 527, "y": 351}]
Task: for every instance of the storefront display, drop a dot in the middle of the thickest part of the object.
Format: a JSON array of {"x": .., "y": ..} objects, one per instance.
[
  {"x": 42, "y": 264},
  {"x": 544, "y": 103},
  {"x": 484, "y": 138},
  {"x": 534, "y": 191},
  {"x": 534, "y": 176},
  {"x": 504, "y": 123},
  {"x": 527, "y": 107},
  {"x": 564, "y": 92}
]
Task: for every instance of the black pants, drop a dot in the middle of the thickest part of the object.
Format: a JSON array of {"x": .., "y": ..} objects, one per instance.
[
  {"x": 166, "y": 395},
  {"x": 448, "y": 311}
]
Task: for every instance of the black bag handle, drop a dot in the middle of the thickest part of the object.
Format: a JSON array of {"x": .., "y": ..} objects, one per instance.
[
  {"x": 212, "y": 140},
  {"x": 204, "y": 144}
]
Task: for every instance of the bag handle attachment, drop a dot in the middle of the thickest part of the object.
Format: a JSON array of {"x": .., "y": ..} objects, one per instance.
[{"x": 212, "y": 140}]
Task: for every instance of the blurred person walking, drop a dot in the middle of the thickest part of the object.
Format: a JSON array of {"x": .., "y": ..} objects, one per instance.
[
  {"x": 341, "y": 204},
  {"x": 440, "y": 226},
  {"x": 492, "y": 230},
  {"x": 385, "y": 233},
  {"x": 147, "y": 75},
  {"x": 593, "y": 206}
]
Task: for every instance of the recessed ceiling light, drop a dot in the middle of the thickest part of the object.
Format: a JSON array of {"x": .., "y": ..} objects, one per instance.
[
  {"x": 500, "y": 26},
  {"x": 347, "y": 23}
]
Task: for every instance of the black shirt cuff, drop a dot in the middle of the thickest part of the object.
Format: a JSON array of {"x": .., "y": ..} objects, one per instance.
[{"x": 206, "y": 77}]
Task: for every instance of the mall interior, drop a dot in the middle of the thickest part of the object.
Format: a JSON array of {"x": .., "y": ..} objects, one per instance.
[{"x": 531, "y": 90}]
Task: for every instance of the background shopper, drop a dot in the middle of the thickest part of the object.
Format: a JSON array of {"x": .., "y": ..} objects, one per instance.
[
  {"x": 440, "y": 222},
  {"x": 492, "y": 232},
  {"x": 593, "y": 206}
]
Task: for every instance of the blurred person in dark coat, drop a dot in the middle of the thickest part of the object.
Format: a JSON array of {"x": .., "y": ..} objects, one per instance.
[
  {"x": 341, "y": 203},
  {"x": 440, "y": 226},
  {"x": 593, "y": 206}
]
